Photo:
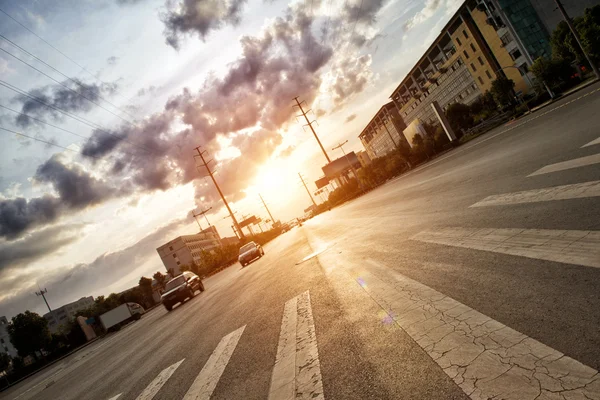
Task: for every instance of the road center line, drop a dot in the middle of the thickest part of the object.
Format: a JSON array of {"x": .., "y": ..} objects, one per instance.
[
  {"x": 485, "y": 358},
  {"x": 158, "y": 382},
  {"x": 569, "y": 164},
  {"x": 593, "y": 142},
  {"x": 297, "y": 370},
  {"x": 566, "y": 246},
  {"x": 207, "y": 379},
  {"x": 564, "y": 192}
]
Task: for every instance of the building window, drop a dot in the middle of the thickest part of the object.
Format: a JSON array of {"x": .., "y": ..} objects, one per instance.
[
  {"x": 171, "y": 248},
  {"x": 465, "y": 33},
  {"x": 1, "y": 340},
  {"x": 458, "y": 41},
  {"x": 515, "y": 54},
  {"x": 488, "y": 74},
  {"x": 178, "y": 262},
  {"x": 480, "y": 61},
  {"x": 466, "y": 54},
  {"x": 506, "y": 39},
  {"x": 174, "y": 255},
  {"x": 480, "y": 80},
  {"x": 473, "y": 67},
  {"x": 473, "y": 48}
]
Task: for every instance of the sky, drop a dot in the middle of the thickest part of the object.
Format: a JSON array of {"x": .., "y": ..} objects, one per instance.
[{"x": 114, "y": 95}]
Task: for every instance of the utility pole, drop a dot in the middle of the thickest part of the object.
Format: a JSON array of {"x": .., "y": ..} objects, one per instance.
[
  {"x": 577, "y": 38},
  {"x": 43, "y": 294},
  {"x": 200, "y": 214},
  {"x": 307, "y": 191},
  {"x": 210, "y": 173},
  {"x": 309, "y": 123},
  {"x": 340, "y": 146},
  {"x": 267, "y": 208}
]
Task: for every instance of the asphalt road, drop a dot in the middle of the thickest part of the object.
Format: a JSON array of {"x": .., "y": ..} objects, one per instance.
[{"x": 425, "y": 288}]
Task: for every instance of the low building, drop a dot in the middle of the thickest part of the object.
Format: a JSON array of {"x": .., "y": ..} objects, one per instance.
[
  {"x": 383, "y": 133},
  {"x": 5, "y": 344},
  {"x": 188, "y": 249},
  {"x": 59, "y": 317},
  {"x": 363, "y": 158}
]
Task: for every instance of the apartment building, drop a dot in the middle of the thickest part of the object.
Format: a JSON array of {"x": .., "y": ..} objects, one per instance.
[
  {"x": 188, "y": 249},
  {"x": 59, "y": 317},
  {"x": 5, "y": 343},
  {"x": 383, "y": 133}
]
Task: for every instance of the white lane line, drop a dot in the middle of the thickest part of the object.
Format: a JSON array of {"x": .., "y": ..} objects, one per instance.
[
  {"x": 566, "y": 246},
  {"x": 207, "y": 379},
  {"x": 575, "y": 163},
  {"x": 297, "y": 370},
  {"x": 484, "y": 357},
  {"x": 158, "y": 382},
  {"x": 593, "y": 142},
  {"x": 116, "y": 397},
  {"x": 564, "y": 192}
]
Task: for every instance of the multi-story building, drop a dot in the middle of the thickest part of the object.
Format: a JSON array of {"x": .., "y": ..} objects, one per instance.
[
  {"x": 59, "y": 317},
  {"x": 383, "y": 133},
  {"x": 188, "y": 249},
  {"x": 458, "y": 67},
  {"x": 5, "y": 343}
]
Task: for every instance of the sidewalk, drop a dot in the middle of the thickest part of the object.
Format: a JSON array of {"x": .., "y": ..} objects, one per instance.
[{"x": 577, "y": 88}]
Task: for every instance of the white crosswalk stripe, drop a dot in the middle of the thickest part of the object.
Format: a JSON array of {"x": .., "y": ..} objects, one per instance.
[
  {"x": 206, "y": 381},
  {"x": 116, "y": 397},
  {"x": 569, "y": 164},
  {"x": 485, "y": 358},
  {"x": 593, "y": 142},
  {"x": 297, "y": 370},
  {"x": 566, "y": 246},
  {"x": 563, "y": 192},
  {"x": 158, "y": 382}
]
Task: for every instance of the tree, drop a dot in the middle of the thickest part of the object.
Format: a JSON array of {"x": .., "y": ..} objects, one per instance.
[
  {"x": 5, "y": 360},
  {"x": 555, "y": 72},
  {"x": 160, "y": 279},
  {"x": 564, "y": 45},
  {"x": 459, "y": 116},
  {"x": 29, "y": 333},
  {"x": 503, "y": 90},
  {"x": 146, "y": 285}
]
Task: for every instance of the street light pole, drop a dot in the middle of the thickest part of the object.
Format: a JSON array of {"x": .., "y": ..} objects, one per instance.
[{"x": 577, "y": 38}]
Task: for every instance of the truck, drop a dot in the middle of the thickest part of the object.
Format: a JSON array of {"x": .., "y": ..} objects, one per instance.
[{"x": 114, "y": 319}]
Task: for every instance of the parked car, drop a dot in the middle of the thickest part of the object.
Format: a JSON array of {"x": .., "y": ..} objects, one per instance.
[
  {"x": 180, "y": 288},
  {"x": 249, "y": 252}
]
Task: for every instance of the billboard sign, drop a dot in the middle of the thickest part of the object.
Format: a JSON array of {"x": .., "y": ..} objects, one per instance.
[
  {"x": 341, "y": 165},
  {"x": 415, "y": 128},
  {"x": 248, "y": 221}
]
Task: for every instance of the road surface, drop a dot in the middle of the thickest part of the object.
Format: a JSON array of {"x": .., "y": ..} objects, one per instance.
[{"x": 475, "y": 276}]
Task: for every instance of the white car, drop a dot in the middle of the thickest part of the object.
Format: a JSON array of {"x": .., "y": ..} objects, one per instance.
[{"x": 249, "y": 252}]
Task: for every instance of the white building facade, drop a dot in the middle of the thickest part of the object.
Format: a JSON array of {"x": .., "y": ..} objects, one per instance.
[{"x": 61, "y": 316}]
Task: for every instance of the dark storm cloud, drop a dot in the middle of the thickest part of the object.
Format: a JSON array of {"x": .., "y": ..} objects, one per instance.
[
  {"x": 59, "y": 97},
  {"x": 188, "y": 17},
  {"x": 364, "y": 11},
  {"x": 36, "y": 245},
  {"x": 350, "y": 117},
  {"x": 101, "y": 143},
  {"x": 76, "y": 190},
  {"x": 19, "y": 214}
]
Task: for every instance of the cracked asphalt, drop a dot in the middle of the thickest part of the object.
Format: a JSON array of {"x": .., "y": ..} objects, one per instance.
[{"x": 395, "y": 317}]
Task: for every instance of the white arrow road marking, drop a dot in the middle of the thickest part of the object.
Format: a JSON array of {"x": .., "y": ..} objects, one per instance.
[
  {"x": 158, "y": 382},
  {"x": 485, "y": 358},
  {"x": 575, "y": 163},
  {"x": 564, "y": 192},
  {"x": 297, "y": 370},
  {"x": 116, "y": 397},
  {"x": 593, "y": 142},
  {"x": 207, "y": 379},
  {"x": 571, "y": 247}
]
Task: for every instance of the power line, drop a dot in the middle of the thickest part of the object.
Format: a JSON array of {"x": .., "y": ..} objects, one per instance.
[
  {"x": 51, "y": 46},
  {"x": 63, "y": 85},
  {"x": 307, "y": 191},
  {"x": 56, "y": 70},
  {"x": 42, "y": 141},
  {"x": 66, "y": 113}
]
